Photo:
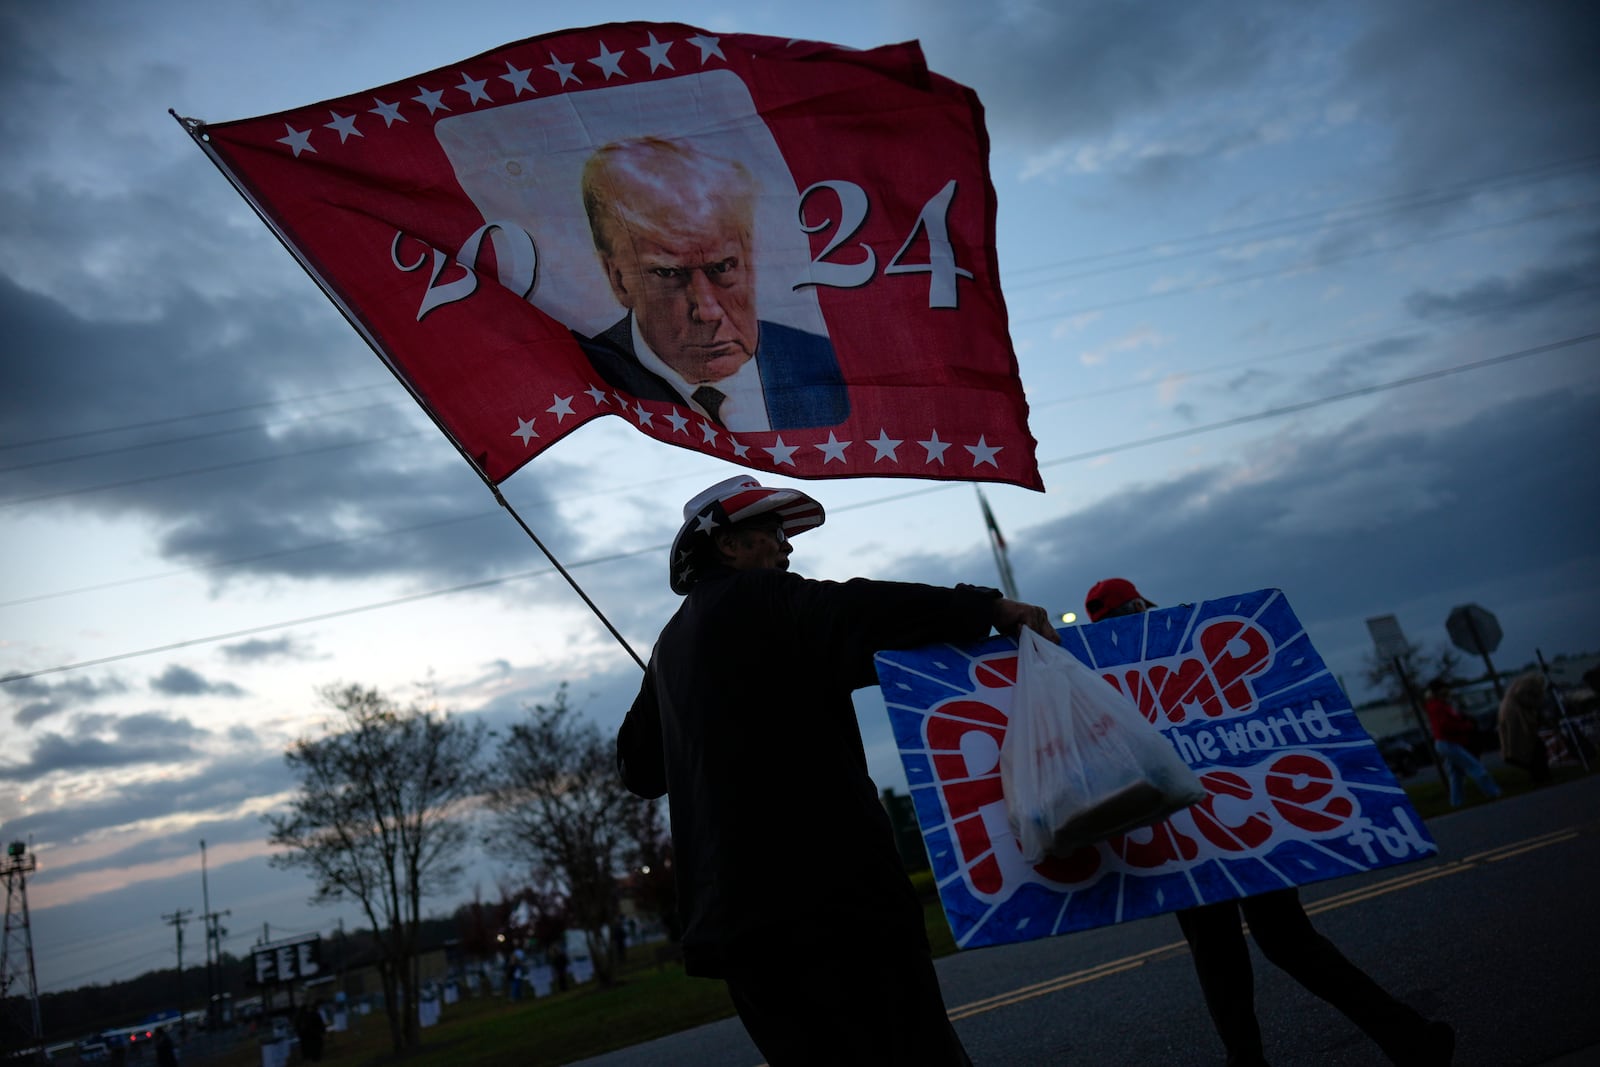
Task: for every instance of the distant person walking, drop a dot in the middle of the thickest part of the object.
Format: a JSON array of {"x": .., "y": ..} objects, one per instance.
[
  {"x": 1452, "y": 732},
  {"x": 1285, "y": 936},
  {"x": 514, "y": 975},
  {"x": 309, "y": 1028},
  {"x": 166, "y": 1051},
  {"x": 1521, "y": 714}
]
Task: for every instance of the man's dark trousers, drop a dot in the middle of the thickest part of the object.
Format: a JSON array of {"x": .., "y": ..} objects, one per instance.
[{"x": 823, "y": 1001}]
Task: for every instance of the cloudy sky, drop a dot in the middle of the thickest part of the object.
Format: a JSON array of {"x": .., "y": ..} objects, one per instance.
[{"x": 1302, "y": 295}]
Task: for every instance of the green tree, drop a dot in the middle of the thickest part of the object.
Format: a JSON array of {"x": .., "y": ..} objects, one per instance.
[
  {"x": 380, "y": 819},
  {"x": 560, "y": 808}
]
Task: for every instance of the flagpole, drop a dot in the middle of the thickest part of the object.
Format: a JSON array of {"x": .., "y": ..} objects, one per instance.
[
  {"x": 997, "y": 543},
  {"x": 197, "y": 132}
]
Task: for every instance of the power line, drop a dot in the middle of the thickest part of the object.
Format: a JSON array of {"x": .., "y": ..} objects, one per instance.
[
  {"x": 1333, "y": 216},
  {"x": 391, "y": 531},
  {"x": 1125, "y": 446},
  {"x": 213, "y": 468},
  {"x": 258, "y": 460},
  {"x": 324, "y": 616},
  {"x": 1379, "y": 206},
  {"x": 1397, "y": 330},
  {"x": 1306, "y": 405},
  {"x": 257, "y": 557},
  {"x": 1361, "y": 210},
  {"x": 170, "y": 419},
  {"x": 188, "y": 438},
  {"x": 1077, "y": 397},
  {"x": 73, "y": 981},
  {"x": 1038, "y": 405},
  {"x": 1305, "y": 266}
]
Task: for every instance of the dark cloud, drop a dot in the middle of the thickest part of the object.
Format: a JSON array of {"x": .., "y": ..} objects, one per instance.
[
  {"x": 367, "y": 491},
  {"x": 192, "y": 790},
  {"x": 36, "y": 699},
  {"x": 1347, "y": 520},
  {"x": 1048, "y": 72},
  {"x": 178, "y": 680},
  {"x": 214, "y": 831},
  {"x": 1499, "y": 507},
  {"x": 257, "y": 649},
  {"x": 1455, "y": 95},
  {"x": 153, "y": 727},
  {"x": 1571, "y": 283},
  {"x": 1467, "y": 90},
  {"x": 52, "y": 752},
  {"x": 1250, "y": 381},
  {"x": 143, "y": 737},
  {"x": 1357, "y": 366}
]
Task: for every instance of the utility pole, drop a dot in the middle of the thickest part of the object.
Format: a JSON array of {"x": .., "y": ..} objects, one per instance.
[
  {"x": 214, "y": 934},
  {"x": 23, "y": 1033},
  {"x": 176, "y": 920},
  {"x": 205, "y": 925}
]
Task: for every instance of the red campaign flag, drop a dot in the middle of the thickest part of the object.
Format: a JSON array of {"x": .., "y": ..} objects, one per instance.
[{"x": 608, "y": 221}]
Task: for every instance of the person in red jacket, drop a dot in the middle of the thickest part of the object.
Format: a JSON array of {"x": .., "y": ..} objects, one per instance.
[
  {"x": 1452, "y": 732},
  {"x": 790, "y": 887},
  {"x": 1286, "y": 937}
]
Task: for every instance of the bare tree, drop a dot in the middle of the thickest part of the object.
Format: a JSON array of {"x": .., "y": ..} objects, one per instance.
[
  {"x": 380, "y": 819},
  {"x": 560, "y": 808},
  {"x": 1420, "y": 668}
]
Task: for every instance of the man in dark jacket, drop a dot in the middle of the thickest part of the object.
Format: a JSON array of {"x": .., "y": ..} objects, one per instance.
[{"x": 789, "y": 884}]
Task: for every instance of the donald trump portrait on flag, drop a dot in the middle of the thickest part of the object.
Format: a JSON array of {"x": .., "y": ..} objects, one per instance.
[
  {"x": 673, "y": 229},
  {"x": 666, "y": 221}
]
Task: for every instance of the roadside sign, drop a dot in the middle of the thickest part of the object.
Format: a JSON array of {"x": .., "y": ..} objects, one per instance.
[
  {"x": 1387, "y": 637},
  {"x": 287, "y": 960},
  {"x": 1473, "y": 629}
]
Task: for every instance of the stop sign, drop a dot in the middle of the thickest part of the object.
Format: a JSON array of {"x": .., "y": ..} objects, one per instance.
[{"x": 1473, "y": 629}]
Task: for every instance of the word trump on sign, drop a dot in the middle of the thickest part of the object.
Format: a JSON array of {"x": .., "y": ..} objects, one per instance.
[{"x": 1296, "y": 792}]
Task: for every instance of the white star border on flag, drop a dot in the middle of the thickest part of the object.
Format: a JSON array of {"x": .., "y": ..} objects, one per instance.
[
  {"x": 502, "y": 78},
  {"x": 781, "y": 452}
]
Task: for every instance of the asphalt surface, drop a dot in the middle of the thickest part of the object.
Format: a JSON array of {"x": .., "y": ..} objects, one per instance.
[{"x": 1497, "y": 935}]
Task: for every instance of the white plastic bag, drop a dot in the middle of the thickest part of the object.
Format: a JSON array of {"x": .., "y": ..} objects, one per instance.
[{"x": 1080, "y": 762}]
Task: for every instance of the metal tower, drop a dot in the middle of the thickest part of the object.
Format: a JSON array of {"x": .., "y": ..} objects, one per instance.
[{"x": 20, "y": 1028}]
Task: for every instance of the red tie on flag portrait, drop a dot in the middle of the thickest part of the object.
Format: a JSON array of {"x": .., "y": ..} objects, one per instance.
[{"x": 780, "y": 253}]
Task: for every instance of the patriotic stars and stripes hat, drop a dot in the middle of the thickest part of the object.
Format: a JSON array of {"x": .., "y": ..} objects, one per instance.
[{"x": 738, "y": 499}]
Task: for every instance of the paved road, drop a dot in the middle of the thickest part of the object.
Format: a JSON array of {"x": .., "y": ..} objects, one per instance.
[{"x": 1498, "y": 935}]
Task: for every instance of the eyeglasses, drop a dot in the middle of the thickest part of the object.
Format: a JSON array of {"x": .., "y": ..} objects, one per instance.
[{"x": 771, "y": 528}]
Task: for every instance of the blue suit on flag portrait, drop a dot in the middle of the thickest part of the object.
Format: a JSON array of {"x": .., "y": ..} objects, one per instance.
[{"x": 800, "y": 377}]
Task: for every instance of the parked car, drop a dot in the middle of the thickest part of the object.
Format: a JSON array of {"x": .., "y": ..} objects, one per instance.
[{"x": 1406, "y": 752}]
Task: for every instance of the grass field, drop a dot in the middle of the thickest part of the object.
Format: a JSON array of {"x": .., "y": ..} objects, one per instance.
[{"x": 647, "y": 1002}]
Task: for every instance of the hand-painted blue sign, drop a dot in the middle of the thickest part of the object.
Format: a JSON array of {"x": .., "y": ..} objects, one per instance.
[{"x": 1296, "y": 790}]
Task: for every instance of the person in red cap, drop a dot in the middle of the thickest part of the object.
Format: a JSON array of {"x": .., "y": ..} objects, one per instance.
[
  {"x": 1286, "y": 937},
  {"x": 790, "y": 887},
  {"x": 1112, "y": 597}
]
